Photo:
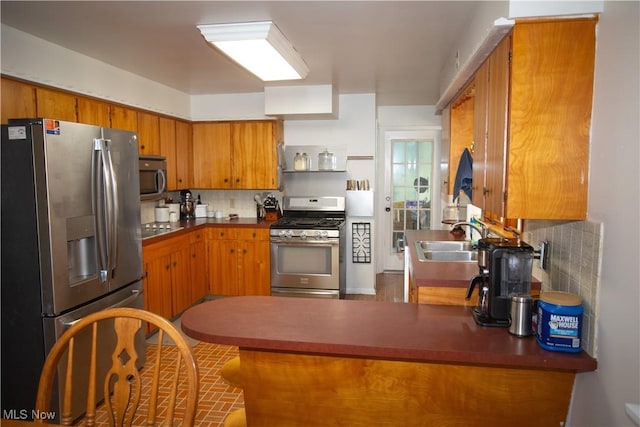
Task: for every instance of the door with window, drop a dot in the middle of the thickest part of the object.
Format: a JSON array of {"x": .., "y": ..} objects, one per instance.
[{"x": 411, "y": 197}]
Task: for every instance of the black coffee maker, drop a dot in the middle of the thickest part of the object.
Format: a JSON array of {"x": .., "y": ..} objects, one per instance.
[{"x": 505, "y": 270}]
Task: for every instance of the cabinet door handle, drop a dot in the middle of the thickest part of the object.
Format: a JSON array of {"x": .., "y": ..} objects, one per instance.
[
  {"x": 167, "y": 267},
  {"x": 232, "y": 251}
]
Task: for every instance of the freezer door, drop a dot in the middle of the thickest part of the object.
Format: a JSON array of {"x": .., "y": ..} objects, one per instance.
[{"x": 130, "y": 296}]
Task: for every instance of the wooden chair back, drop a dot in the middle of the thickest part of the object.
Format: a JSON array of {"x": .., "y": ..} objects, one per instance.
[{"x": 122, "y": 385}]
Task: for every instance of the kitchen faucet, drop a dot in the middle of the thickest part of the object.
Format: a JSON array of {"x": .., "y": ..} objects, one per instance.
[{"x": 483, "y": 231}]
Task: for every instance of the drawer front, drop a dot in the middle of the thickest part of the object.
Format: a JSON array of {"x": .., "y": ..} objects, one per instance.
[
  {"x": 252, "y": 233},
  {"x": 222, "y": 233},
  {"x": 196, "y": 236}
]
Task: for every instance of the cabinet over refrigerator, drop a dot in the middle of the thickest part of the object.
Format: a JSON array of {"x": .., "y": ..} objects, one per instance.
[{"x": 71, "y": 242}]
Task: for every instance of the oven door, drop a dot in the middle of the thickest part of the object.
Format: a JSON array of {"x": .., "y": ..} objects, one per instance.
[
  {"x": 305, "y": 293},
  {"x": 305, "y": 264}
]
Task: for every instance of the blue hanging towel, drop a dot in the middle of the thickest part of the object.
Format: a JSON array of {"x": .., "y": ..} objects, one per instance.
[{"x": 464, "y": 175}]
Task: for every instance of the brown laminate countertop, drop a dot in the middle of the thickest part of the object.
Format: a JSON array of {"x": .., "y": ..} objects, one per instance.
[
  {"x": 370, "y": 329},
  {"x": 200, "y": 223}
]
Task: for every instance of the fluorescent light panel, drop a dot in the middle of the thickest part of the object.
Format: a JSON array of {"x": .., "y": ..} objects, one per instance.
[{"x": 259, "y": 47}]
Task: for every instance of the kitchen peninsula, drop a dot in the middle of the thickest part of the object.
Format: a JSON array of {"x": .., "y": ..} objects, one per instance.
[{"x": 343, "y": 362}]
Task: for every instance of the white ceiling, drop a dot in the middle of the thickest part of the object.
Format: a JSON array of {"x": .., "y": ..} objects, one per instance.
[{"x": 394, "y": 49}]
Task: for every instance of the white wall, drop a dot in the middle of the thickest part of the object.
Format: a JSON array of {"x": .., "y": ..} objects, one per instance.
[
  {"x": 239, "y": 106},
  {"x": 614, "y": 192},
  {"x": 355, "y": 128},
  {"x": 30, "y": 58},
  {"x": 466, "y": 45}
]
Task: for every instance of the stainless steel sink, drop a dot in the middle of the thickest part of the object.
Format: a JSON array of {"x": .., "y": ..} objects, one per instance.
[
  {"x": 445, "y": 245},
  {"x": 446, "y": 250},
  {"x": 451, "y": 255}
]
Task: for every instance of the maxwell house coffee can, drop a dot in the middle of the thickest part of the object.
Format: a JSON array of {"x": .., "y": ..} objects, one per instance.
[{"x": 559, "y": 323}]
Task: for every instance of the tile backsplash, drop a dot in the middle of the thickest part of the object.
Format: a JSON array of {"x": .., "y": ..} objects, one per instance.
[
  {"x": 574, "y": 265},
  {"x": 240, "y": 202}
]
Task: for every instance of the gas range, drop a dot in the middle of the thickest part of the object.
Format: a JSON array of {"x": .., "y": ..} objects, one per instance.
[
  {"x": 310, "y": 218},
  {"x": 153, "y": 229}
]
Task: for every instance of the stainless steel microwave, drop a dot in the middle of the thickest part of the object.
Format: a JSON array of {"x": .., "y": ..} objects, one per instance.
[{"x": 153, "y": 177}]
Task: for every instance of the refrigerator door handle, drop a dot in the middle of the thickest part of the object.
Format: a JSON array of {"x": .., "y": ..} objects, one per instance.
[
  {"x": 105, "y": 199},
  {"x": 113, "y": 209},
  {"x": 123, "y": 303}
]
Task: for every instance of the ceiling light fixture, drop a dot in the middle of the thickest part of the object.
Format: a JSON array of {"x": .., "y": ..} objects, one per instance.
[{"x": 259, "y": 47}]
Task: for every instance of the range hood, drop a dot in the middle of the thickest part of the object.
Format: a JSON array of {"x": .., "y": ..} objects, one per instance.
[{"x": 301, "y": 102}]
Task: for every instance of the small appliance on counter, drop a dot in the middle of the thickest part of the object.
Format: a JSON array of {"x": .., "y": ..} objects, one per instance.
[
  {"x": 201, "y": 210},
  {"x": 505, "y": 271},
  {"x": 187, "y": 205}
]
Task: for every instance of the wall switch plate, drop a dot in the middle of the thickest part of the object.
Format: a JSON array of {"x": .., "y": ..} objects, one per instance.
[{"x": 544, "y": 255}]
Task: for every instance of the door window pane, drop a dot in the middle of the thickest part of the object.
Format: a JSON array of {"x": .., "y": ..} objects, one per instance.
[{"x": 412, "y": 165}]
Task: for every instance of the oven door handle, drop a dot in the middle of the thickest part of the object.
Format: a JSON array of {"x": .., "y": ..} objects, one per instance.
[{"x": 305, "y": 242}]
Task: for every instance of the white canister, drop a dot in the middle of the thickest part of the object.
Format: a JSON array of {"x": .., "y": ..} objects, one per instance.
[
  {"x": 173, "y": 216},
  {"x": 174, "y": 207},
  {"x": 162, "y": 214}
]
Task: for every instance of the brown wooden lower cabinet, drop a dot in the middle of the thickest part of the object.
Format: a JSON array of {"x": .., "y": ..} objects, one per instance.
[
  {"x": 287, "y": 389},
  {"x": 450, "y": 295},
  {"x": 238, "y": 261},
  {"x": 198, "y": 266},
  {"x": 167, "y": 282}
]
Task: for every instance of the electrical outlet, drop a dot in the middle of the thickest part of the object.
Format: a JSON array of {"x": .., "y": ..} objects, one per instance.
[
  {"x": 457, "y": 59},
  {"x": 232, "y": 203}
]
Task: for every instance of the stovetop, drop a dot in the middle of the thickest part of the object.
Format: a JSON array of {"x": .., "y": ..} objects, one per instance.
[
  {"x": 308, "y": 217},
  {"x": 156, "y": 228},
  {"x": 297, "y": 223}
]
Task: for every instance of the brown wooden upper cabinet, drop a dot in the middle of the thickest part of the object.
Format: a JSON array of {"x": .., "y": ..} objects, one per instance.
[
  {"x": 18, "y": 100},
  {"x": 240, "y": 155},
  {"x": 532, "y": 115},
  {"x": 124, "y": 118},
  {"x": 93, "y": 112},
  {"x": 184, "y": 155},
  {"x": 148, "y": 134},
  {"x": 461, "y": 132},
  {"x": 55, "y": 105},
  {"x": 176, "y": 146}
]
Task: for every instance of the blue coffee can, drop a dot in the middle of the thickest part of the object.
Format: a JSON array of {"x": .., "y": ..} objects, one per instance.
[{"x": 559, "y": 325}]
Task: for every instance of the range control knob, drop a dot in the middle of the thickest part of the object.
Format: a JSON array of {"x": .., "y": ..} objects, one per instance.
[
  {"x": 303, "y": 235},
  {"x": 321, "y": 234},
  {"x": 286, "y": 234}
]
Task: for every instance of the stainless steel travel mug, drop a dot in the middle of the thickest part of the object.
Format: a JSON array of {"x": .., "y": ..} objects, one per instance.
[{"x": 520, "y": 315}]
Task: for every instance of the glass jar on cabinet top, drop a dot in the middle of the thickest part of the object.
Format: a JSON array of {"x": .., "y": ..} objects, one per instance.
[
  {"x": 301, "y": 162},
  {"x": 326, "y": 160}
]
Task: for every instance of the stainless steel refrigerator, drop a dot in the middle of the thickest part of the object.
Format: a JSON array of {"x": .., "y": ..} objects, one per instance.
[{"x": 71, "y": 244}]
